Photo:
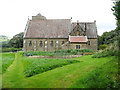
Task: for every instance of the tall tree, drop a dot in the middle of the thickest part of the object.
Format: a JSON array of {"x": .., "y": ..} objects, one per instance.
[
  {"x": 116, "y": 13},
  {"x": 17, "y": 41}
]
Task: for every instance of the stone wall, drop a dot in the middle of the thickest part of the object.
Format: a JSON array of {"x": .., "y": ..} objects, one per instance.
[
  {"x": 92, "y": 44},
  {"x": 47, "y": 44},
  {"x": 82, "y": 45},
  {"x": 56, "y": 44}
]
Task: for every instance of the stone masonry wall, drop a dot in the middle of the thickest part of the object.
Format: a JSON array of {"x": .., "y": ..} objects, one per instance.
[
  {"x": 93, "y": 44},
  {"x": 46, "y": 44}
]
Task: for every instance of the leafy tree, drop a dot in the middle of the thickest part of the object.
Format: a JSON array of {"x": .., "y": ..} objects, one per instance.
[
  {"x": 17, "y": 41},
  {"x": 116, "y": 13}
]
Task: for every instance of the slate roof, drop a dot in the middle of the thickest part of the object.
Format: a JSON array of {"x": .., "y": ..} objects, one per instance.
[
  {"x": 57, "y": 28},
  {"x": 91, "y": 29},
  {"x": 78, "y": 38},
  {"x": 49, "y": 28}
]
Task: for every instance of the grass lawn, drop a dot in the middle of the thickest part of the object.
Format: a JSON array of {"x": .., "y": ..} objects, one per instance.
[{"x": 61, "y": 77}]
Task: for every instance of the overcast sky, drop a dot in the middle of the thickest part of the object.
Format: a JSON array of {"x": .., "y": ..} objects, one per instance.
[{"x": 14, "y": 13}]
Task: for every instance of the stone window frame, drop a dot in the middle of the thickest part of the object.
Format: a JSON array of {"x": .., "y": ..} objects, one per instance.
[
  {"x": 63, "y": 42},
  {"x": 88, "y": 42},
  {"x": 30, "y": 43},
  {"x": 77, "y": 46},
  {"x": 51, "y": 43},
  {"x": 41, "y": 43}
]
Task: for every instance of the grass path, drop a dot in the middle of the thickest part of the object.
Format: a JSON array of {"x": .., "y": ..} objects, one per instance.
[
  {"x": 14, "y": 76},
  {"x": 62, "y": 77}
]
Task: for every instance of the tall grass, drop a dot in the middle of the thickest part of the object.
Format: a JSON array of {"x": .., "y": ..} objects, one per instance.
[
  {"x": 33, "y": 66},
  {"x": 7, "y": 60}
]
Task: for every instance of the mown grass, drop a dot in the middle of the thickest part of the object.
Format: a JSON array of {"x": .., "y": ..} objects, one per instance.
[
  {"x": 106, "y": 76},
  {"x": 7, "y": 60},
  {"x": 76, "y": 75},
  {"x": 33, "y": 66}
]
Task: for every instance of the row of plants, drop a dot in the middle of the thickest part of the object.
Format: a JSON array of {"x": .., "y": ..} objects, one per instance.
[
  {"x": 58, "y": 52},
  {"x": 72, "y": 51},
  {"x": 42, "y": 53},
  {"x": 33, "y": 66},
  {"x": 7, "y": 60},
  {"x": 105, "y": 76},
  {"x": 11, "y": 49}
]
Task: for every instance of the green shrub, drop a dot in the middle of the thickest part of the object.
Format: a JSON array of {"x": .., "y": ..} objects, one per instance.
[
  {"x": 36, "y": 66},
  {"x": 104, "y": 46},
  {"x": 11, "y": 49}
]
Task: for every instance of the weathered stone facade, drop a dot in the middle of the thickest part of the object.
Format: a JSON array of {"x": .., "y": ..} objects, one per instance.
[{"x": 42, "y": 34}]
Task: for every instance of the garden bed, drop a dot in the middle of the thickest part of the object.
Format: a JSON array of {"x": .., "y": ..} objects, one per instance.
[{"x": 68, "y": 56}]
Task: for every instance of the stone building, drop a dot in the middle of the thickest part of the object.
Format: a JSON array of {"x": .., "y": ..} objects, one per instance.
[{"x": 43, "y": 34}]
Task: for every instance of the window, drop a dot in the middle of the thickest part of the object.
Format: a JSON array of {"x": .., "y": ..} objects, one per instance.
[
  {"x": 51, "y": 43},
  {"x": 63, "y": 42},
  {"x": 77, "y": 46},
  {"x": 45, "y": 42},
  {"x": 40, "y": 43},
  {"x": 57, "y": 42},
  {"x": 77, "y": 33},
  {"x": 30, "y": 43},
  {"x": 88, "y": 42}
]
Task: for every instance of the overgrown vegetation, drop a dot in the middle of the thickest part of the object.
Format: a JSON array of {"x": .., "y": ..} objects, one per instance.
[
  {"x": 35, "y": 66},
  {"x": 105, "y": 76},
  {"x": 7, "y": 60},
  {"x": 42, "y": 53},
  {"x": 11, "y": 49},
  {"x": 111, "y": 50},
  {"x": 58, "y": 52}
]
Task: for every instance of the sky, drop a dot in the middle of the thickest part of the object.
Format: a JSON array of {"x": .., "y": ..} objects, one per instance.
[{"x": 15, "y": 13}]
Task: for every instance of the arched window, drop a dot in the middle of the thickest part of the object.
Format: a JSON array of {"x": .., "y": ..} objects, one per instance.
[
  {"x": 51, "y": 43},
  {"x": 63, "y": 42},
  {"x": 30, "y": 43},
  {"x": 88, "y": 42},
  {"x": 40, "y": 43}
]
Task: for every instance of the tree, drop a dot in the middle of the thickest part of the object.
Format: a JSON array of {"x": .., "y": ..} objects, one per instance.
[
  {"x": 116, "y": 13},
  {"x": 17, "y": 41}
]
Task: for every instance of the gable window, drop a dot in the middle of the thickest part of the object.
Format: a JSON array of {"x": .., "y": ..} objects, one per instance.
[
  {"x": 63, "y": 42},
  {"x": 30, "y": 43},
  {"x": 51, "y": 43},
  {"x": 40, "y": 43},
  {"x": 77, "y": 46},
  {"x": 88, "y": 42},
  {"x": 77, "y": 33}
]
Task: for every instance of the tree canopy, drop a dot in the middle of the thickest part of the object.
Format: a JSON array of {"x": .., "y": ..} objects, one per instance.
[{"x": 17, "y": 41}]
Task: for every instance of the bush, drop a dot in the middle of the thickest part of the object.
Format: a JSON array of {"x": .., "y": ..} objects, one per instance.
[
  {"x": 11, "y": 49},
  {"x": 42, "y": 53},
  {"x": 104, "y": 46},
  {"x": 36, "y": 66}
]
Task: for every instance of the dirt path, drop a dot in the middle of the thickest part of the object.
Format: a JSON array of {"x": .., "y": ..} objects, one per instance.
[{"x": 14, "y": 76}]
